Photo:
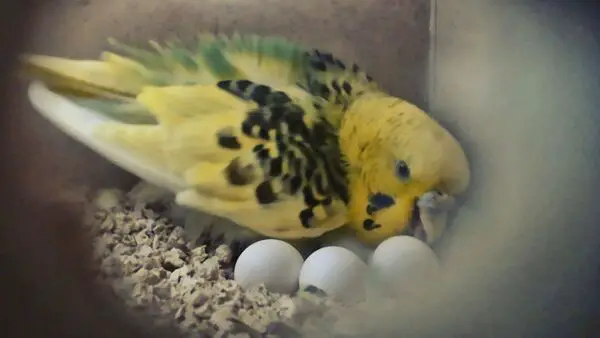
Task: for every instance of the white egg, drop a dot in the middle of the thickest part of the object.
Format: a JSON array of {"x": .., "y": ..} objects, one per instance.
[
  {"x": 403, "y": 264},
  {"x": 337, "y": 271},
  {"x": 271, "y": 262}
]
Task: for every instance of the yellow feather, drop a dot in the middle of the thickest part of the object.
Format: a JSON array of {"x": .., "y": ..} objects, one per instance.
[
  {"x": 102, "y": 78},
  {"x": 176, "y": 104},
  {"x": 280, "y": 221},
  {"x": 265, "y": 70},
  {"x": 185, "y": 143}
]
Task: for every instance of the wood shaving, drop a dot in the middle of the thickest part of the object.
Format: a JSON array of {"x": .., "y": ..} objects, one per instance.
[{"x": 156, "y": 270}]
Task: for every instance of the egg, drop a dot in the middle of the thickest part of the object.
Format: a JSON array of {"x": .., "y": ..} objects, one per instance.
[
  {"x": 403, "y": 264},
  {"x": 271, "y": 262},
  {"x": 337, "y": 271}
]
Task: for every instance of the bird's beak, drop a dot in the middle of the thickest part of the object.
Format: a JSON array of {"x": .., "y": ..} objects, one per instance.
[{"x": 430, "y": 216}]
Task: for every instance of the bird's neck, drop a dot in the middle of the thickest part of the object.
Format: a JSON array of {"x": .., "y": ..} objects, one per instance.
[
  {"x": 360, "y": 124},
  {"x": 338, "y": 113}
]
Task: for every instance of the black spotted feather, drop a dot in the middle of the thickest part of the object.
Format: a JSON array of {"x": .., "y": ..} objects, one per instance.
[{"x": 249, "y": 123}]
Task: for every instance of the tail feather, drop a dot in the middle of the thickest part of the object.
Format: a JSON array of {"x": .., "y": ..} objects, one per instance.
[
  {"x": 111, "y": 78},
  {"x": 267, "y": 60},
  {"x": 109, "y": 86},
  {"x": 271, "y": 61}
]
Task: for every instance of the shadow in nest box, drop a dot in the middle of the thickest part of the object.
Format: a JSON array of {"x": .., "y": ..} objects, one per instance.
[{"x": 212, "y": 231}]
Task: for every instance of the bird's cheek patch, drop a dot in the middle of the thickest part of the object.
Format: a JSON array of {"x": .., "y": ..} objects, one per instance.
[
  {"x": 386, "y": 223},
  {"x": 395, "y": 218},
  {"x": 378, "y": 202}
]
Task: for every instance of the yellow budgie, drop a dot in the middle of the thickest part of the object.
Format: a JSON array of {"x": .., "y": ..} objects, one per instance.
[{"x": 285, "y": 141}]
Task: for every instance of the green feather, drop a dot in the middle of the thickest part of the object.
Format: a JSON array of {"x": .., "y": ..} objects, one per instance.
[
  {"x": 217, "y": 63},
  {"x": 271, "y": 61}
]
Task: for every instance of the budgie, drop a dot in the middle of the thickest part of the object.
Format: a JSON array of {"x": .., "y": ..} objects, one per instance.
[{"x": 289, "y": 142}]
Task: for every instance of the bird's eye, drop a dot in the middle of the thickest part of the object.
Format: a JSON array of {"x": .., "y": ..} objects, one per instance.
[{"x": 402, "y": 170}]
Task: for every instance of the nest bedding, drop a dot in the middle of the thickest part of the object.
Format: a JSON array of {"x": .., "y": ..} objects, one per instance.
[{"x": 158, "y": 271}]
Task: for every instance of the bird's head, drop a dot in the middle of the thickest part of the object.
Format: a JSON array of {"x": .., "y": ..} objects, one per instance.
[{"x": 395, "y": 154}]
